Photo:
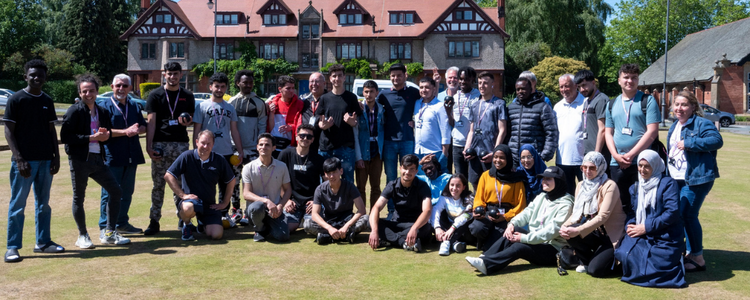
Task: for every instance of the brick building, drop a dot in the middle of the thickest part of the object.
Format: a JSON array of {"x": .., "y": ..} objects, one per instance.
[
  {"x": 713, "y": 63},
  {"x": 437, "y": 33}
]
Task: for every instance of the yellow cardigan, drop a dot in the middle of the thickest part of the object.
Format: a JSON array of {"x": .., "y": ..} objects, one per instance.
[{"x": 512, "y": 193}]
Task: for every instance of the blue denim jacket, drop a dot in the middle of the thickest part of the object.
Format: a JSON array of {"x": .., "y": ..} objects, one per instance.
[
  {"x": 364, "y": 131},
  {"x": 702, "y": 140}
]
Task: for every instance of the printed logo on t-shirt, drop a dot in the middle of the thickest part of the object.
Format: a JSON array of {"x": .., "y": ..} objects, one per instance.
[
  {"x": 302, "y": 168},
  {"x": 212, "y": 168}
]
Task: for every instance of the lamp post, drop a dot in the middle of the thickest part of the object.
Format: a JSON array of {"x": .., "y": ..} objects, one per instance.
[
  {"x": 211, "y": 5},
  {"x": 664, "y": 86}
]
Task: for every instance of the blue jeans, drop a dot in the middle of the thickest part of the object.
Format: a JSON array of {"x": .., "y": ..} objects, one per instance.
[
  {"x": 264, "y": 224},
  {"x": 691, "y": 200},
  {"x": 392, "y": 153},
  {"x": 125, "y": 177},
  {"x": 347, "y": 157},
  {"x": 19, "y": 192},
  {"x": 442, "y": 160}
]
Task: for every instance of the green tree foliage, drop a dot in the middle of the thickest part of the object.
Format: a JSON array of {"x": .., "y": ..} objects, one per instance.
[
  {"x": 521, "y": 56},
  {"x": 636, "y": 34},
  {"x": 487, "y": 3},
  {"x": 359, "y": 67},
  {"x": 20, "y": 26},
  {"x": 549, "y": 70},
  {"x": 60, "y": 62}
]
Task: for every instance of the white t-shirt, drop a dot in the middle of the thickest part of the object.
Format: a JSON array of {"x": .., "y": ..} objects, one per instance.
[
  {"x": 676, "y": 161},
  {"x": 570, "y": 118}
]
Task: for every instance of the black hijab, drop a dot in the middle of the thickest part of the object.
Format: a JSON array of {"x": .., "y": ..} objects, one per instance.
[
  {"x": 559, "y": 190},
  {"x": 507, "y": 173}
]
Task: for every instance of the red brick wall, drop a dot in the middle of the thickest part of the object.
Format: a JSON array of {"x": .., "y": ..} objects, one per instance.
[{"x": 731, "y": 89}]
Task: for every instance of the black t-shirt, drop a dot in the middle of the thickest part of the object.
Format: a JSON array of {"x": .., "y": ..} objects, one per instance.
[
  {"x": 304, "y": 173},
  {"x": 336, "y": 106},
  {"x": 398, "y": 110},
  {"x": 32, "y": 116},
  {"x": 168, "y": 110},
  {"x": 408, "y": 200},
  {"x": 336, "y": 207},
  {"x": 201, "y": 177}
]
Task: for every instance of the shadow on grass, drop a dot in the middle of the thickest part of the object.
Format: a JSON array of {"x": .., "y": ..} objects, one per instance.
[{"x": 721, "y": 265}]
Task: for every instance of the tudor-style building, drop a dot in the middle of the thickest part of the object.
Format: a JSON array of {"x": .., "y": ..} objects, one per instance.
[{"x": 437, "y": 33}]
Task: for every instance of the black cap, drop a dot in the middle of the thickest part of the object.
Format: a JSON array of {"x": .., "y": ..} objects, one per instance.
[{"x": 553, "y": 172}]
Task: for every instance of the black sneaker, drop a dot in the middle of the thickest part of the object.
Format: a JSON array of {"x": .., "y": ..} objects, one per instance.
[
  {"x": 417, "y": 246},
  {"x": 324, "y": 239},
  {"x": 187, "y": 234},
  {"x": 201, "y": 228},
  {"x": 350, "y": 235},
  {"x": 153, "y": 228}
]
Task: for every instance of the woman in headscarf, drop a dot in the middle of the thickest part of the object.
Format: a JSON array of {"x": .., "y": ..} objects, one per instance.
[
  {"x": 544, "y": 216},
  {"x": 597, "y": 222},
  {"x": 531, "y": 165},
  {"x": 651, "y": 251},
  {"x": 692, "y": 146},
  {"x": 500, "y": 190}
]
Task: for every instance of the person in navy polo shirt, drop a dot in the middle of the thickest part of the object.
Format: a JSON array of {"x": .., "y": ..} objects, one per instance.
[
  {"x": 203, "y": 170},
  {"x": 123, "y": 153}
]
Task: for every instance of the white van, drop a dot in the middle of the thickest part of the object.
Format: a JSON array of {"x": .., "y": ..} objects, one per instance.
[{"x": 382, "y": 85}]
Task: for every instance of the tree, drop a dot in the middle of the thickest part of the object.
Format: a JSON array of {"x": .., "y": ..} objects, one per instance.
[
  {"x": 60, "y": 62},
  {"x": 549, "y": 70},
  {"x": 522, "y": 56},
  {"x": 20, "y": 26}
]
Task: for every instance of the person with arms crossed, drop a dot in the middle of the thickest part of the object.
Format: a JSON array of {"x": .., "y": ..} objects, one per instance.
[
  {"x": 32, "y": 139},
  {"x": 201, "y": 170}
]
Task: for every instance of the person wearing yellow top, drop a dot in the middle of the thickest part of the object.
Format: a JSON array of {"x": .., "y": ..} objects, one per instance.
[{"x": 501, "y": 189}]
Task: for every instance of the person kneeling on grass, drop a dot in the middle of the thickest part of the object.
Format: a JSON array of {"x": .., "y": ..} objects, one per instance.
[
  {"x": 202, "y": 170},
  {"x": 337, "y": 197},
  {"x": 453, "y": 211},
  {"x": 544, "y": 216},
  {"x": 413, "y": 203}
]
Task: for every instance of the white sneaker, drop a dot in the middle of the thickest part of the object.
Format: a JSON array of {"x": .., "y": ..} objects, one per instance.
[
  {"x": 477, "y": 263},
  {"x": 84, "y": 242},
  {"x": 445, "y": 248},
  {"x": 114, "y": 237},
  {"x": 581, "y": 269}
]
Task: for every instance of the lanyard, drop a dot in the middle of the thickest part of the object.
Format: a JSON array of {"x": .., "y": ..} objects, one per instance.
[
  {"x": 481, "y": 114},
  {"x": 125, "y": 115},
  {"x": 461, "y": 107},
  {"x": 627, "y": 112},
  {"x": 422, "y": 110},
  {"x": 263, "y": 182},
  {"x": 499, "y": 194},
  {"x": 172, "y": 109},
  {"x": 314, "y": 105}
]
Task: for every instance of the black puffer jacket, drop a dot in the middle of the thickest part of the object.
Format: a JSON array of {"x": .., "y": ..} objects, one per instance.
[{"x": 532, "y": 123}]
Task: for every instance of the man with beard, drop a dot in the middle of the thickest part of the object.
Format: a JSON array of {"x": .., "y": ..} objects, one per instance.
[
  {"x": 531, "y": 121},
  {"x": 595, "y": 106},
  {"x": 433, "y": 176}
]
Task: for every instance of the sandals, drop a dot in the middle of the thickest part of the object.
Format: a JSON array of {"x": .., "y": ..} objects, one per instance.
[
  {"x": 50, "y": 247},
  {"x": 696, "y": 266},
  {"x": 12, "y": 256}
]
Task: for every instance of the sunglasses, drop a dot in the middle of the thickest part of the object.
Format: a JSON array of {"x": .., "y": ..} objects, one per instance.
[
  {"x": 305, "y": 136},
  {"x": 590, "y": 168},
  {"x": 122, "y": 85}
]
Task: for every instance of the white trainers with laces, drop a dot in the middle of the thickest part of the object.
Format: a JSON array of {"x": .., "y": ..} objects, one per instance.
[
  {"x": 84, "y": 242},
  {"x": 581, "y": 269},
  {"x": 445, "y": 248},
  {"x": 477, "y": 263}
]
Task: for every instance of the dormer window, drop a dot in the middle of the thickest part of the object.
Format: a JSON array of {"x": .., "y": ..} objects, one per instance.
[
  {"x": 274, "y": 19},
  {"x": 406, "y": 18},
  {"x": 351, "y": 13},
  {"x": 227, "y": 19},
  {"x": 163, "y": 18},
  {"x": 275, "y": 13},
  {"x": 464, "y": 15},
  {"x": 350, "y": 19}
]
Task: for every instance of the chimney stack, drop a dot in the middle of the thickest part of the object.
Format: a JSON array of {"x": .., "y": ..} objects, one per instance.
[{"x": 501, "y": 13}]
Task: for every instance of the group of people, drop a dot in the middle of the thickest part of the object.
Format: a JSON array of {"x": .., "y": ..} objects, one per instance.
[{"x": 634, "y": 210}]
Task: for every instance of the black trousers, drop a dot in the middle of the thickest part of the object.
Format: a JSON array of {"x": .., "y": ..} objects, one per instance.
[
  {"x": 571, "y": 174},
  {"x": 503, "y": 252},
  {"x": 395, "y": 232},
  {"x": 624, "y": 179},
  {"x": 487, "y": 232},
  {"x": 595, "y": 250},
  {"x": 460, "y": 165},
  {"x": 94, "y": 167}
]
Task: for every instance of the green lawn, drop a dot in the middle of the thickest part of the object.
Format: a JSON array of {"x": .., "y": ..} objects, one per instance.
[{"x": 235, "y": 267}]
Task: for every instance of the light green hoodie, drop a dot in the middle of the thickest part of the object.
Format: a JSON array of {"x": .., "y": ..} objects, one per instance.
[{"x": 544, "y": 218}]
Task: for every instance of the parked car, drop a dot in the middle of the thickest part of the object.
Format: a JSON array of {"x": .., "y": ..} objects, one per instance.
[
  {"x": 132, "y": 96},
  {"x": 383, "y": 84},
  {"x": 715, "y": 115},
  {"x": 4, "y": 95}
]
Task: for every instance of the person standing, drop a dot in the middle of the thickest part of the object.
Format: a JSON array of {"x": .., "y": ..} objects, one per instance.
[
  {"x": 252, "y": 120},
  {"x": 432, "y": 133},
  {"x": 32, "y": 138},
  {"x": 284, "y": 114},
  {"x": 459, "y": 115},
  {"x": 86, "y": 126},
  {"x": 311, "y": 102},
  {"x": 595, "y": 105},
  {"x": 305, "y": 172},
  {"x": 337, "y": 116},
  {"x": 219, "y": 117},
  {"x": 166, "y": 134},
  {"x": 486, "y": 130},
  {"x": 570, "y": 121},
  {"x": 630, "y": 130},
  {"x": 451, "y": 82},
  {"x": 371, "y": 143},
  {"x": 123, "y": 150},
  {"x": 531, "y": 121}
]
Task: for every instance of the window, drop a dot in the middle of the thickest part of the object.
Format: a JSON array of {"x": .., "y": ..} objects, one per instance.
[
  {"x": 342, "y": 19},
  {"x": 274, "y": 19},
  {"x": 176, "y": 50},
  {"x": 400, "y": 51},
  {"x": 272, "y": 50},
  {"x": 402, "y": 18},
  {"x": 159, "y": 19},
  {"x": 310, "y": 31},
  {"x": 464, "y": 15},
  {"x": 309, "y": 60},
  {"x": 315, "y": 31},
  {"x": 227, "y": 19},
  {"x": 350, "y": 19},
  {"x": 226, "y": 51},
  {"x": 460, "y": 49},
  {"x": 349, "y": 82},
  {"x": 270, "y": 88},
  {"x": 358, "y": 19},
  {"x": 148, "y": 51},
  {"x": 305, "y": 31},
  {"x": 167, "y": 18},
  {"x": 349, "y": 50}
]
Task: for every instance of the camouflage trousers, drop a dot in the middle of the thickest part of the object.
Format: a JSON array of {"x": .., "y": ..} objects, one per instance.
[{"x": 172, "y": 150}]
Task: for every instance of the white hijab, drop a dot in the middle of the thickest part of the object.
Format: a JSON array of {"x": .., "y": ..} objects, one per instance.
[
  {"x": 647, "y": 188},
  {"x": 586, "y": 202}
]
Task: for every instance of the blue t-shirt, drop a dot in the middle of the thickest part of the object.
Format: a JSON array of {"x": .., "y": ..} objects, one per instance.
[
  {"x": 437, "y": 185},
  {"x": 122, "y": 150},
  {"x": 201, "y": 177},
  {"x": 398, "y": 109},
  {"x": 617, "y": 119}
]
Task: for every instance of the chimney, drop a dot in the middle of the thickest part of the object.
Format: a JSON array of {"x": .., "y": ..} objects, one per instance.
[
  {"x": 501, "y": 13},
  {"x": 145, "y": 4}
]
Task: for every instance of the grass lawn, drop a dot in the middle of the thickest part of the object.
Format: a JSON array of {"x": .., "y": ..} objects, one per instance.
[{"x": 166, "y": 267}]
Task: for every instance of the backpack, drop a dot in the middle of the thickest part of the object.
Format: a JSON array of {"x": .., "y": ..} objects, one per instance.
[{"x": 656, "y": 145}]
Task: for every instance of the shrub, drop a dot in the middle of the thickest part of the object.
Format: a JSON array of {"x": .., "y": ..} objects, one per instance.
[
  {"x": 61, "y": 91},
  {"x": 104, "y": 88},
  {"x": 550, "y": 69},
  {"x": 147, "y": 87},
  {"x": 13, "y": 85}
]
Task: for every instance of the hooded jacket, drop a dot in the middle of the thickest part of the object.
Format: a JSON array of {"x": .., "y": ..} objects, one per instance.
[
  {"x": 534, "y": 123},
  {"x": 545, "y": 218}
]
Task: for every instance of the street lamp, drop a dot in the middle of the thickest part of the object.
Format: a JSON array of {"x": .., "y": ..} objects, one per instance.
[
  {"x": 664, "y": 86},
  {"x": 214, "y": 7}
]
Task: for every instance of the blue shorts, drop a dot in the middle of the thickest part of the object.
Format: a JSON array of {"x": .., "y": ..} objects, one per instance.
[{"x": 205, "y": 215}]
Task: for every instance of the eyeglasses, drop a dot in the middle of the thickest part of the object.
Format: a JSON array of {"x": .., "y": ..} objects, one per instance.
[
  {"x": 122, "y": 86},
  {"x": 589, "y": 168},
  {"x": 305, "y": 136},
  {"x": 527, "y": 158}
]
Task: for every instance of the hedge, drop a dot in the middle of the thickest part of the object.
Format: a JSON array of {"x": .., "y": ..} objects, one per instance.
[
  {"x": 146, "y": 88},
  {"x": 13, "y": 85},
  {"x": 61, "y": 91}
]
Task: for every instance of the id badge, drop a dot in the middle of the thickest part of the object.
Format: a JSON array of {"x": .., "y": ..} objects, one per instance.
[
  {"x": 313, "y": 120},
  {"x": 627, "y": 131},
  {"x": 501, "y": 211},
  {"x": 173, "y": 123},
  {"x": 419, "y": 124},
  {"x": 460, "y": 124},
  {"x": 584, "y": 136}
]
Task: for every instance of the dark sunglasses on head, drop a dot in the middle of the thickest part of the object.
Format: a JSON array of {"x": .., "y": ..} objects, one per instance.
[{"x": 305, "y": 136}]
